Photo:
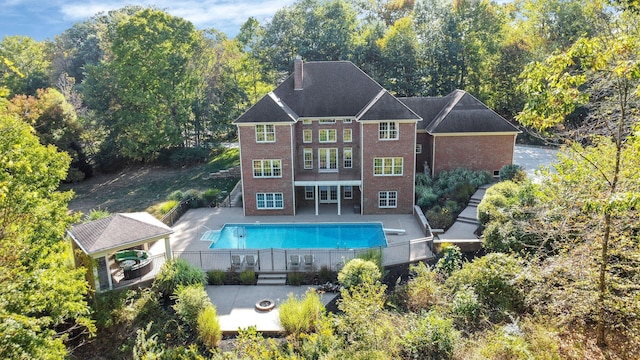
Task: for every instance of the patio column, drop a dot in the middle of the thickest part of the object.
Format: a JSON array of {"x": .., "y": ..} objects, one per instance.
[
  {"x": 95, "y": 273},
  {"x": 316, "y": 197},
  {"x": 339, "y": 199},
  {"x": 167, "y": 248}
]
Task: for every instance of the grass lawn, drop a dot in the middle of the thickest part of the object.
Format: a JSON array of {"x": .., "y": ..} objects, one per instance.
[{"x": 138, "y": 188}]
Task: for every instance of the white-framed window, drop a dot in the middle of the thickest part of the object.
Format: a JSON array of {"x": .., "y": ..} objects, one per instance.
[
  {"x": 391, "y": 166},
  {"x": 327, "y": 121},
  {"x": 265, "y": 133},
  {"x": 418, "y": 148},
  {"x": 309, "y": 192},
  {"x": 347, "y": 135},
  {"x": 269, "y": 201},
  {"x": 328, "y": 136},
  {"x": 348, "y": 192},
  {"x": 328, "y": 160},
  {"x": 306, "y": 122},
  {"x": 387, "y": 199},
  {"x": 268, "y": 168},
  {"x": 388, "y": 131},
  {"x": 308, "y": 158},
  {"x": 307, "y": 136},
  {"x": 347, "y": 158},
  {"x": 346, "y": 121}
]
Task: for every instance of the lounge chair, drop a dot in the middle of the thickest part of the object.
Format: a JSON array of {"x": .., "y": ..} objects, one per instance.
[
  {"x": 294, "y": 261},
  {"x": 236, "y": 261},
  {"x": 249, "y": 261},
  {"x": 308, "y": 260}
]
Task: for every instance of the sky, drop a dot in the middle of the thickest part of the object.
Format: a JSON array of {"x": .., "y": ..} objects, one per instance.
[{"x": 44, "y": 19}]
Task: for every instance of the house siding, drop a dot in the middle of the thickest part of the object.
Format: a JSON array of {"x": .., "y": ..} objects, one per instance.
[
  {"x": 481, "y": 152},
  {"x": 373, "y": 148},
  {"x": 252, "y": 150}
]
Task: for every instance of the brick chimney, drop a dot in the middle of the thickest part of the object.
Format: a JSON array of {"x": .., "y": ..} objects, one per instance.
[{"x": 297, "y": 73}]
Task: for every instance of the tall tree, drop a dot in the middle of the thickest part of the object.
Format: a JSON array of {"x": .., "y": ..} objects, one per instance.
[
  {"x": 42, "y": 296},
  {"x": 153, "y": 82},
  {"x": 31, "y": 58},
  {"x": 399, "y": 48}
]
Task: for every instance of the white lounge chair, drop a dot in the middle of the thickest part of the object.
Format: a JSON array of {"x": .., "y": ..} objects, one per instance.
[
  {"x": 294, "y": 261},
  {"x": 249, "y": 261},
  {"x": 236, "y": 261},
  {"x": 308, "y": 260}
]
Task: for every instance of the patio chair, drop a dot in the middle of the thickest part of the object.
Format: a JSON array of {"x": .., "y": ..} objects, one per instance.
[
  {"x": 249, "y": 261},
  {"x": 294, "y": 261},
  {"x": 236, "y": 261},
  {"x": 308, "y": 260}
]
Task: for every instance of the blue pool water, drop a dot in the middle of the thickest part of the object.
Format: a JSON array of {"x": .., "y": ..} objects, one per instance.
[{"x": 297, "y": 236}]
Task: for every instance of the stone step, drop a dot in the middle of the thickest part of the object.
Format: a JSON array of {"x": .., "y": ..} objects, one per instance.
[
  {"x": 272, "y": 279},
  {"x": 468, "y": 221}
]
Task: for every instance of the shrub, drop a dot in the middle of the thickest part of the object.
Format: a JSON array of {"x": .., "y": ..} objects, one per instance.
[
  {"x": 430, "y": 337},
  {"x": 439, "y": 218},
  {"x": 465, "y": 307},
  {"x": 177, "y": 272},
  {"x": 326, "y": 275},
  {"x": 299, "y": 316},
  {"x": 248, "y": 277},
  {"x": 497, "y": 197},
  {"x": 512, "y": 172},
  {"x": 450, "y": 261},
  {"x": 426, "y": 196},
  {"x": 373, "y": 255},
  {"x": 189, "y": 156},
  {"x": 165, "y": 206},
  {"x": 462, "y": 192},
  {"x": 422, "y": 291},
  {"x": 189, "y": 302},
  {"x": 493, "y": 278},
  {"x": 504, "y": 343},
  {"x": 97, "y": 214},
  {"x": 357, "y": 271},
  {"x": 423, "y": 179},
  {"x": 210, "y": 196},
  {"x": 194, "y": 197},
  {"x": 176, "y": 195},
  {"x": 216, "y": 277},
  {"x": 208, "y": 327},
  {"x": 295, "y": 278}
]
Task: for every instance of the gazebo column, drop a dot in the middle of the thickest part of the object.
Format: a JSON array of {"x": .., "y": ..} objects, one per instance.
[
  {"x": 167, "y": 248},
  {"x": 339, "y": 198},
  {"x": 316, "y": 197},
  {"x": 109, "y": 278}
]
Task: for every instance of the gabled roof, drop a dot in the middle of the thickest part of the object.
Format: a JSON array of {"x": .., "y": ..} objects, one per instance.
[
  {"x": 458, "y": 112},
  {"x": 118, "y": 232},
  {"x": 268, "y": 109},
  {"x": 387, "y": 107}
]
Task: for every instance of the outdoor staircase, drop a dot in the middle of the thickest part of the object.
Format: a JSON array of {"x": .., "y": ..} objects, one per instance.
[{"x": 272, "y": 279}]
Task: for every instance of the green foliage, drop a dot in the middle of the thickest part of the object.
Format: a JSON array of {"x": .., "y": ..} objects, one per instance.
[
  {"x": 498, "y": 196},
  {"x": 248, "y": 277},
  {"x": 430, "y": 336},
  {"x": 43, "y": 295},
  {"x": 147, "y": 346},
  {"x": 176, "y": 272},
  {"x": 422, "y": 292},
  {"x": 97, "y": 214},
  {"x": 208, "y": 327},
  {"x": 512, "y": 172},
  {"x": 194, "y": 198},
  {"x": 450, "y": 261},
  {"x": 465, "y": 307},
  {"x": 439, "y": 218},
  {"x": 190, "y": 300},
  {"x": 298, "y": 316},
  {"x": 326, "y": 275},
  {"x": 211, "y": 196},
  {"x": 186, "y": 156},
  {"x": 357, "y": 271},
  {"x": 295, "y": 278},
  {"x": 495, "y": 280},
  {"x": 426, "y": 196},
  {"x": 373, "y": 255},
  {"x": 176, "y": 195},
  {"x": 216, "y": 277}
]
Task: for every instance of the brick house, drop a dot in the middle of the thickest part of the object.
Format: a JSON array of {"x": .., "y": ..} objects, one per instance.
[{"x": 329, "y": 134}]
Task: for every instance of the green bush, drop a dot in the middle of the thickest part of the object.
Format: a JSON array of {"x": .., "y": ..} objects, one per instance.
[
  {"x": 512, "y": 172},
  {"x": 494, "y": 278},
  {"x": 429, "y": 337},
  {"x": 497, "y": 197},
  {"x": 299, "y": 316},
  {"x": 194, "y": 197},
  {"x": 326, "y": 275},
  {"x": 97, "y": 214},
  {"x": 176, "y": 195},
  {"x": 177, "y": 272},
  {"x": 423, "y": 179},
  {"x": 450, "y": 261},
  {"x": 208, "y": 327},
  {"x": 295, "y": 278},
  {"x": 189, "y": 156},
  {"x": 357, "y": 271},
  {"x": 426, "y": 196},
  {"x": 439, "y": 218},
  {"x": 465, "y": 307},
  {"x": 190, "y": 300},
  {"x": 210, "y": 196},
  {"x": 166, "y": 206},
  {"x": 373, "y": 255},
  {"x": 248, "y": 277},
  {"x": 503, "y": 343},
  {"x": 422, "y": 291},
  {"x": 216, "y": 277}
]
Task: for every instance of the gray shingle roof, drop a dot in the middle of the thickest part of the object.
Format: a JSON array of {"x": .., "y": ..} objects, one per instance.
[
  {"x": 460, "y": 113},
  {"x": 268, "y": 109},
  {"x": 388, "y": 107},
  {"x": 117, "y": 231}
]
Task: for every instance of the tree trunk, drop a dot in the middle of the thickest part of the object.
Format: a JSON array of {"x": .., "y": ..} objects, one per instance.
[{"x": 602, "y": 282}]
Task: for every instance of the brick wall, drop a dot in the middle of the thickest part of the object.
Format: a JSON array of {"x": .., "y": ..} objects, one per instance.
[
  {"x": 403, "y": 147},
  {"x": 251, "y": 150},
  {"x": 484, "y": 152}
]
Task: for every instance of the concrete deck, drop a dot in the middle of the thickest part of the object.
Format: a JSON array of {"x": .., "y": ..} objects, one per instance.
[{"x": 235, "y": 305}]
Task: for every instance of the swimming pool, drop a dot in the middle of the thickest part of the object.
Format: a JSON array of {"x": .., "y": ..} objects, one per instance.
[{"x": 297, "y": 236}]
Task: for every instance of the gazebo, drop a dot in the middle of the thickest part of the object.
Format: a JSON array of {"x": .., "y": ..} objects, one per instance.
[{"x": 100, "y": 239}]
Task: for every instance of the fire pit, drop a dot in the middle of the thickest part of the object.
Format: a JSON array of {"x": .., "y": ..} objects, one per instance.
[{"x": 265, "y": 305}]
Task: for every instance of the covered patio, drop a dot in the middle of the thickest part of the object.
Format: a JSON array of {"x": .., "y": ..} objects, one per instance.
[{"x": 118, "y": 246}]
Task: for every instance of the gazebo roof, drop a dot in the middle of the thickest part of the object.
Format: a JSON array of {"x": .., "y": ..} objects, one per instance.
[{"x": 118, "y": 232}]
